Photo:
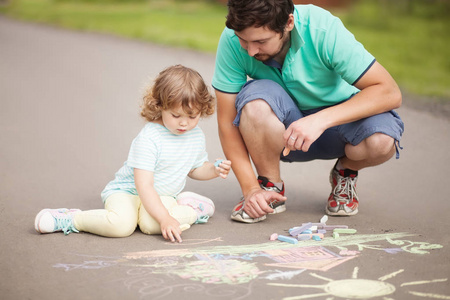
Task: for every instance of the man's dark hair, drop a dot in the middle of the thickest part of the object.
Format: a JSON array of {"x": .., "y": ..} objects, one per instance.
[{"x": 272, "y": 14}]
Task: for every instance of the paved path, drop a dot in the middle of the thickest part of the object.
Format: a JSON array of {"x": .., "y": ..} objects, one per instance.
[{"x": 69, "y": 109}]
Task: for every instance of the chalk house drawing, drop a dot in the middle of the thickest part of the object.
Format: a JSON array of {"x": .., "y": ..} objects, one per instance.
[{"x": 231, "y": 271}]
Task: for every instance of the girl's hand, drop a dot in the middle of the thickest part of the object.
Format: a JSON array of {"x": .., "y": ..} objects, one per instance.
[
  {"x": 170, "y": 229},
  {"x": 223, "y": 167}
]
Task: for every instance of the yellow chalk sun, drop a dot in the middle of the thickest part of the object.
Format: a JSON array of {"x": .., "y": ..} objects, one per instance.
[{"x": 355, "y": 288}]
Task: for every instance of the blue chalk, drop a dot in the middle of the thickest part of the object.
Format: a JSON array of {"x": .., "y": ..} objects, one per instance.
[
  {"x": 217, "y": 163},
  {"x": 316, "y": 238},
  {"x": 287, "y": 239},
  {"x": 306, "y": 232}
]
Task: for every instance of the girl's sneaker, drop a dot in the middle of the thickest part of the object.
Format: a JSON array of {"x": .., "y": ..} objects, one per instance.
[
  {"x": 52, "y": 220},
  {"x": 204, "y": 207}
]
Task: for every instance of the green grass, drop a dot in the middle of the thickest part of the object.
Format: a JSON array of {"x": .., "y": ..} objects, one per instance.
[{"x": 413, "y": 45}]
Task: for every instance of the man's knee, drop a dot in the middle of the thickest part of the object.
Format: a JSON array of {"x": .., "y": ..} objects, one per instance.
[
  {"x": 380, "y": 145},
  {"x": 256, "y": 111}
]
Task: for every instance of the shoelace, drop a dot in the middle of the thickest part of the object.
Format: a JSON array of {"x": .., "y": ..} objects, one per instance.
[
  {"x": 202, "y": 219},
  {"x": 345, "y": 186},
  {"x": 65, "y": 224}
]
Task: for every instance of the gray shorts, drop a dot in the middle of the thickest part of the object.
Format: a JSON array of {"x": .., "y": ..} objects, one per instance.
[{"x": 331, "y": 144}]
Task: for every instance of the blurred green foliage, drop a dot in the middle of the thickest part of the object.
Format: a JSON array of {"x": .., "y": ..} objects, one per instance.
[{"x": 409, "y": 37}]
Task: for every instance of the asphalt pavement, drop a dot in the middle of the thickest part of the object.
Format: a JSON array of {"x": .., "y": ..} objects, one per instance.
[{"x": 69, "y": 111}]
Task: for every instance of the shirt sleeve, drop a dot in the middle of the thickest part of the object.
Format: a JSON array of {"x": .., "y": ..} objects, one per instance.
[
  {"x": 143, "y": 152},
  {"x": 229, "y": 73},
  {"x": 344, "y": 54}
]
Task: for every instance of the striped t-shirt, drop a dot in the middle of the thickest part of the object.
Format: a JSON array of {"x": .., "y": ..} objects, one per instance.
[{"x": 170, "y": 157}]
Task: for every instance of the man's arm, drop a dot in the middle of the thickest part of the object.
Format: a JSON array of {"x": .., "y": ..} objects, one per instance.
[
  {"x": 378, "y": 93},
  {"x": 235, "y": 150}
]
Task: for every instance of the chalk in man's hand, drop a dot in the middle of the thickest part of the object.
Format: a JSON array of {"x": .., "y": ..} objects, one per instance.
[{"x": 286, "y": 152}]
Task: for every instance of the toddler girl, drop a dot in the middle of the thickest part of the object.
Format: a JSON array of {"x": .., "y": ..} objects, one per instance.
[{"x": 146, "y": 191}]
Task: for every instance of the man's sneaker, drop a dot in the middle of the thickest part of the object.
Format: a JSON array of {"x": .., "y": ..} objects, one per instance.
[
  {"x": 52, "y": 220},
  {"x": 277, "y": 206},
  {"x": 343, "y": 200},
  {"x": 204, "y": 207},
  {"x": 238, "y": 213}
]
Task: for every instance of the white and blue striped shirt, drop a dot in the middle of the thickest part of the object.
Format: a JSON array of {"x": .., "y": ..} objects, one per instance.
[{"x": 170, "y": 157}]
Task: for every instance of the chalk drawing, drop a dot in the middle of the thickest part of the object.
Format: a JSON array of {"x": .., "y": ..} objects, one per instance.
[
  {"x": 232, "y": 270},
  {"x": 355, "y": 288}
]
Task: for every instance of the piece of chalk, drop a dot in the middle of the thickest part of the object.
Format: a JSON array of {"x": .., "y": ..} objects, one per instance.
[
  {"x": 332, "y": 227},
  {"x": 183, "y": 227},
  {"x": 273, "y": 236},
  {"x": 335, "y": 235},
  {"x": 319, "y": 225},
  {"x": 287, "y": 239},
  {"x": 218, "y": 162},
  {"x": 297, "y": 230},
  {"x": 307, "y": 231},
  {"x": 324, "y": 219},
  {"x": 300, "y": 237},
  {"x": 316, "y": 237},
  {"x": 344, "y": 230},
  {"x": 286, "y": 152},
  {"x": 323, "y": 231}
]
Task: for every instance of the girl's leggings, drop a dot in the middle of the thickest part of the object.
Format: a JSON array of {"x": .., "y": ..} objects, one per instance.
[{"x": 124, "y": 212}]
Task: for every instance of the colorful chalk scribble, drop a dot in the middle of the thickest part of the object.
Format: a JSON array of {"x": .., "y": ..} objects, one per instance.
[{"x": 205, "y": 270}]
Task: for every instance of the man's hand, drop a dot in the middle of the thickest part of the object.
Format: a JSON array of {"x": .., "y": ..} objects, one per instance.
[
  {"x": 257, "y": 202},
  {"x": 302, "y": 133}
]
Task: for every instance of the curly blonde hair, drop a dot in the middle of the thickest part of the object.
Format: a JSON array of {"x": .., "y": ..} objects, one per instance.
[{"x": 174, "y": 86}]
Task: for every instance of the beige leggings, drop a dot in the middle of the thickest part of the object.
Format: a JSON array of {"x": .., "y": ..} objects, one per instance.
[{"x": 124, "y": 212}]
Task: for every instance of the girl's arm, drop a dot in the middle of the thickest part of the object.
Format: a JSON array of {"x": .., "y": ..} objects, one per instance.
[
  {"x": 170, "y": 227},
  {"x": 209, "y": 171}
]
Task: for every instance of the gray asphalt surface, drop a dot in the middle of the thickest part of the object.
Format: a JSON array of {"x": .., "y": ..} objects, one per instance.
[{"x": 69, "y": 110}]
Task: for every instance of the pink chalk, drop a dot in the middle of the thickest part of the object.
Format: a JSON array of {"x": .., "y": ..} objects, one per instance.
[{"x": 273, "y": 237}]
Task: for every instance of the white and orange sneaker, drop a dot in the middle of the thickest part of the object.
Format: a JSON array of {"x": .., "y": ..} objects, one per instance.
[
  {"x": 343, "y": 200},
  {"x": 238, "y": 213}
]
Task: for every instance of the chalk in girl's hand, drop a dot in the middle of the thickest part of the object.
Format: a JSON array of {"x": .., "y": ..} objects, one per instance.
[
  {"x": 183, "y": 227},
  {"x": 218, "y": 162},
  {"x": 286, "y": 152}
]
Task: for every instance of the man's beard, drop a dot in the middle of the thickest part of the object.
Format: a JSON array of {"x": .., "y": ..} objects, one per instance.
[{"x": 266, "y": 57}]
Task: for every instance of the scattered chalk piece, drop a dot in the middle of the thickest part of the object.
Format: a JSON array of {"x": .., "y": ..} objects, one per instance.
[
  {"x": 335, "y": 235},
  {"x": 273, "y": 237},
  {"x": 324, "y": 219},
  {"x": 344, "y": 230},
  {"x": 287, "y": 239}
]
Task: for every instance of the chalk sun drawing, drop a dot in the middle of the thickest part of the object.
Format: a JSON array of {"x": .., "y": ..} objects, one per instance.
[{"x": 355, "y": 288}]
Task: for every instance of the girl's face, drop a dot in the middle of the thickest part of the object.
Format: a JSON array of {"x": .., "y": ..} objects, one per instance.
[{"x": 177, "y": 121}]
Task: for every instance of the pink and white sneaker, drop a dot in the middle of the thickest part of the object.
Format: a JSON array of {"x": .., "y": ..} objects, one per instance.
[
  {"x": 203, "y": 206},
  {"x": 53, "y": 220}
]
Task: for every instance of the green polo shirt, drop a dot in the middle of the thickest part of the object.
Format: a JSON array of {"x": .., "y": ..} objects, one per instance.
[{"x": 320, "y": 68}]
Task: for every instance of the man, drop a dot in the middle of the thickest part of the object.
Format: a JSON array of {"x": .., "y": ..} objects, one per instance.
[{"x": 315, "y": 92}]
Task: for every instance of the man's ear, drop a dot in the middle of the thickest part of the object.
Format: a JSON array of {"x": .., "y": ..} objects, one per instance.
[{"x": 290, "y": 23}]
